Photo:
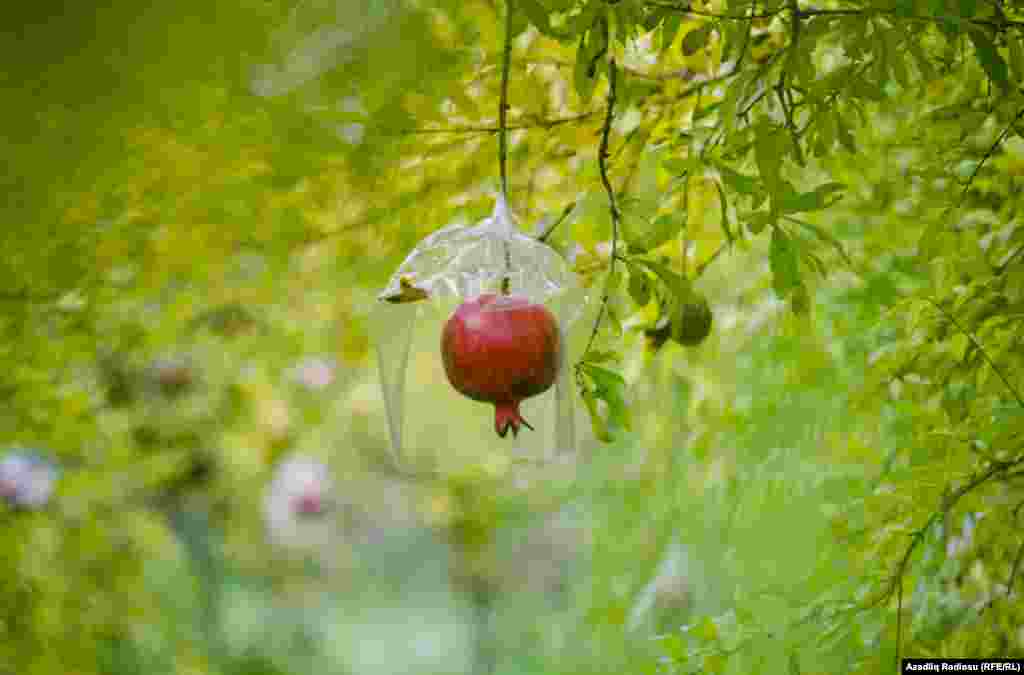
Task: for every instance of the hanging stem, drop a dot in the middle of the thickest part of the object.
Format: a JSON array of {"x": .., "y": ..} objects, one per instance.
[
  {"x": 602, "y": 162},
  {"x": 506, "y": 64}
]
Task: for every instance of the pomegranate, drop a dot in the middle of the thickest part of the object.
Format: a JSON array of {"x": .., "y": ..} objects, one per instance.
[
  {"x": 692, "y": 323},
  {"x": 501, "y": 349}
]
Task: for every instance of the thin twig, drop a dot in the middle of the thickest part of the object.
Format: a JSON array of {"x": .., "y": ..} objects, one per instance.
[
  {"x": 26, "y": 296},
  {"x": 754, "y": 101},
  {"x": 1009, "y": 261},
  {"x": 787, "y": 107},
  {"x": 762, "y": 71},
  {"x": 700, "y": 84},
  {"x": 538, "y": 124},
  {"x": 1015, "y": 569},
  {"x": 503, "y": 105},
  {"x": 745, "y": 47},
  {"x": 558, "y": 221},
  {"x": 688, "y": 9},
  {"x": 602, "y": 157},
  {"x": 802, "y": 14},
  {"x": 506, "y": 66},
  {"x": 997, "y": 26},
  {"x": 707, "y": 263},
  {"x": 949, "y": 501},
  {"x": 988, "y": 153},
  {"x": 683, "y": 73},
  {"x": 977, "y": 345}
]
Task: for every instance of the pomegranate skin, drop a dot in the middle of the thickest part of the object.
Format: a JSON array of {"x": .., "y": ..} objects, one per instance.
[{"x": 501, "y": 349}]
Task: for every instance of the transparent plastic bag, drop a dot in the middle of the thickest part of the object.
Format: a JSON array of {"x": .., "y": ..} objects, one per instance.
[{"x": 453, "y": 265}]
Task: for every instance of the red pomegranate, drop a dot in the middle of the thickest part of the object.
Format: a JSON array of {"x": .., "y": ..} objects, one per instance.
[{"x": 501, "y": 349}]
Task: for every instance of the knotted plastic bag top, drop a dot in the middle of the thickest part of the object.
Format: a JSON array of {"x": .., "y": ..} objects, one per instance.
[
  {"x": 464, "y": 261},
  {"x": 461, "y": 262}
]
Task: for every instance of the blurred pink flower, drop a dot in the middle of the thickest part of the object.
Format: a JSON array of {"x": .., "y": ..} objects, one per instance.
[
  {"x": 316, "y": 373},
  {"x": 296, "y": 502},
  {"x": 26, "y": 480}
]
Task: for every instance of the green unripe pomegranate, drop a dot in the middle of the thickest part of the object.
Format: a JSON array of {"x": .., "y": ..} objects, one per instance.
[{"x": 691, "y": 323}]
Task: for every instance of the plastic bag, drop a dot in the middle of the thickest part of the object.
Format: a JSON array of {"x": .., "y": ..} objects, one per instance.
[{"x": 450, "y": 266}]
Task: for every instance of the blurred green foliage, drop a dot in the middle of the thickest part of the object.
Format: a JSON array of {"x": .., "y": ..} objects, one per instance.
[{"x": 203, "y": 199}]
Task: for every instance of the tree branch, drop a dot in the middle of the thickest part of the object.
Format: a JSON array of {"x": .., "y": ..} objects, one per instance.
[
  {"x": 688, "y": 9},
  {"x": 26, "y": 296},
  {"x": 602, "y": 162},
  {"x": 1015, "y": 569},
  {"x": 948, "y": 502},
  {"x": 558, "y": 221},
  {"x": 506, "y": 61},
  {"x": 988, "y": 153},
  {"x": 802, "y": 14},
  {"x": 977, "y": 345},
  {"x": 538, "y": 124},
  {"x": 780, "y": 90}
]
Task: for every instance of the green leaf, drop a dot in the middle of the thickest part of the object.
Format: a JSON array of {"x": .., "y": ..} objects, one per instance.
[
  {"x": 707, "y": 630},
  {"x": 582, "y": 78},
  {"x": 951, "y": 113},
  {"x": 967, "y": 8},
  {"x": 924, "y": 64},
  {"x": 610, "y": 387},
  {"x": 596, "y": 421},
  {"x": 1016, "y": 49},
  {"x": 826, "y": 237},
  {"x": 948, "y": 23},
  {"x": 785, "y": 263},
  {"x": 670, "y": 29},
  {"x": 800, "y": 300},
  {"x": 935, "y": 240},
  {"x": 613, "y": 281},
  {"x": 769, "y": 147},
  {"x": 601, "y": 356},
  {"x": 737, "y": 181},
  {"x": 696, "y": 39},
  {"x": 539, "y": 16},
  {"x": 812, "y": 261},
  {"x": 678, "y": 166},
  {"x": 729, "y": 106},
  {"x": 706, "y": 110},
  {"x": 612, "y": 314},
  {"x": 825, "y": 133},
  {"x": 880, "y": 52},
  {"x": 904, "y": 8},
  {"x": 725, "y": 212},
  {"x": 654, "y": 17},
  {"x": 519, "y": 23},
  {"x": 871, "y": 91},
  {"x": 897, "y": 62},
  {"x": 587, "y": 70},
  {"x": 820, "y": 198},
  {"x": 733, "y": 33},
  {"x": 629, "y": 17},
  {"x": 756, "y": 222},
  {"x": 676, "y": 285},
  {"x": 660, "y": 230},
  {"x": 639, "y": 288},
  {"x": 990, "y": 58},
  {"x": 584, "y": 21},
  {"x": 843, "y": 131}
]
